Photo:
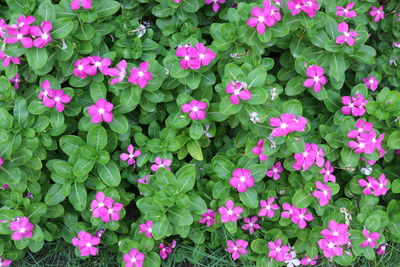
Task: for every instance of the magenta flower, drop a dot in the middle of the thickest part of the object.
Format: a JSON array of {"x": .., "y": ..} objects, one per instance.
[
  {"x": 144, "y": 180},
  {"x": 348, "y": 36},
  {"x": 241, "y": 179},
  {"x": 113, "y": 210},
  {"x": 101, "y": 63},
  {"x": 310, "y": 7},
  {"x": 250, "y": 224},
  {"x": 369, "y": 185},
  {"x": 132, "y": 154},
  {"x": 146, "y": 228},
  {"x": 1, "y": 161},
  {"x": 237, "y": 248},
  {"x": 319, "y": 155},
  {"x": 98, "y": 205},
  {"x": 47, "y": 93},
  {"x": 3, "y": 28},
  {"x": 215, "y": 3},
  {"x": 381, "y": 249},
  {"x": 7, "y": 59},
  {"x": 300, "y": 217},
  {"x": 58, "y": 100},
  {"x": 354, "y": 105},
  {"x": 263, "y": 18},
  {"x": 16, "y": 80},
  {"x": 208, "y": 218},
  {"x": 267, "y": 208},
  {"x": 23, "y": 21},
  {"x": 327, "y": 171},
  {"x": 288, "y": 210},
  {"x": 190, "y": 57},
  {"x": 329, "y": 248},
  {"x": 140, "y": 76},
  {"x": 258, "y": 150},
  {"x": 371, "y": 82},
  {"x": 238, "y": 90},
  {"x": 306, "y": 159},
  {"x": 134, "y": 258},
  {"x": 362, "y": 126},
  {"x": 317, "y": 78},
  {"x": 164, "y": 251},
  {"x": 43, "y": 36},
  {"x": 275, "y": 171},
  {"x": 84, "y": 67},
  {"x": 294, "y": 6},
  {"x": 323, "y": 194},
  {"x": 337, "y": 233},
  {"x": 396, "y": 44},
  {"x": 230, "y": 213},
  {"x": 86, "y": 242},
  {"x": 378, "y": 13},
  {"x": 160, "y": 163},
  {"x": 309, "y": 261},
  {"x": 380, "y": 188},
  {"x": 119, "y": 72},
  {"x": 5, "y": 262},
  {"x": 22, "y": 228},
  {"x": 277, "y": 251},
  {"x": 196, "y": 109},
  {"x": 18, "y": 35},
  {"x": 285, "y": 124},
  {"x": 76, "y": 4},
  {"x": 206, "y": 55},
  {"x": 370, "y": 239},
  {"x": 101, "y": 111},
  {"x": 346, "y": 11}
]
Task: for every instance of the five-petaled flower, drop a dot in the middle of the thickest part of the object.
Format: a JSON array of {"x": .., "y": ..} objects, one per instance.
[
  {"x": 146, "y": 228},
  {"x": 42, "y": 35},
  {"x": 370, "y": 238},
  {"x": 346, "y": 11},
  {"x": 371, "y": 82},
  {"x": 275, "y": 171},
  {"x": 265, "y": 17},
  {"x": 239, "y": 91},
  {"x": 348, "y": 36},
  {"x": 208, "y": 218},
  {"x": 22, "y": 228},
  {"x": 76, "y": 4},
  {"x": 324, "y": 193},
  {"x": 196, "y": 109},
  {"x": 237, "y": 248},
  {"x": 317, "y": 78},
  {"x": 140, "y": 75},
  {"x": 86, "y": 243},
  {"x": 377, "y": 13},
  {"x": 229, "y": 212},
  {"x": 268, "y": 207},
  {"x": 241, "y": 179},
  {"x": 101, "y": 111},
  {"x": 131, "y": 155},
  {"x": 250, "y": 224},
  {"x": 160, "y": 163},
  {"x": 134, "y": 258}
]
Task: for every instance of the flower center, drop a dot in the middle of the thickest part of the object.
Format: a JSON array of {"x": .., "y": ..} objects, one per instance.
[
  {"x": 19, "y": 36},
  {"x": 268, "y": 207},
  {"x": 208, "y": 217},
  {"x": 22, "y": 230},
  {"x": 283, "y": 125},
  {"x": 88, "y": 245},
  {"x": 235, "y": 248},
  {"x": 150, "y": 230},
  {"x": 230, "y": 212},
  {"x": 362, "y": 145},
  {"x": 101, "y": 111},
  {"x": 186, "y": 57},
  {"x": 369, "y": 240},
  {"x": 133, "y": 260},
  {"x": 345, "y": 10},
  {"x": 369, "y": 185},
  {"x": 381, "y": 185},
  {"x": 297, "y": 6},
  {"x": 80, "y": 67},
  {"x": 261, "y": 19},
  {"x": 242, "y": 179},
  {"x": 316, "y": 79},
  {"x": 195, "y": 109},
  {"x": 110, "y": 211},
  {"x": 301, "y": 216},
  {"x": 236, "y": 92},
  {"x": 351, "y": 105},
  {"x": 140, "y": 73},
  {"x": 278, "y": 249},
  {"x": 45, "y": 36},
  {"x": 335, "y": 233},
  {"x": 325, "y": 192},
  {"x": 275, "y": 170},
  {"x": 201, "y": 56},
  {"x": 97, "y": 64},
  {"x": 251, "y": 224},
  {"x": 45, "y": 93},
  {"x": 346, "y": 34},
  {"x": 101, "y": 204},
  {"x": 371, "y": 81},
  {"x": 57, "y": 99},
  {"x": 331, "y": 245},
  {"x": 305, "y": 154}
]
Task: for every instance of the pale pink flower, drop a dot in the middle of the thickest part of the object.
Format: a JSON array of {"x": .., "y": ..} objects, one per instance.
[
  {"x": 277, "y": 251},
  {"x": 309, "y": 261},
  {"x": 258, "y": 150},
  {"x": 7, "y": 59},
  {"x": 263, "y": 18},
  {"x": 160, "y": 163},
  {"x": 16, "y": 80},
  {"x": 5, "y": 262},
  {"x": 371, "y": 82},
  {"x": 19, "y": 35},
  {"x": 317, "y": 78},
  {"x": 101, "y": 111},
  {"x": 381, "y": 249},
  {"x": 250, "y": 224},
  {"x": 346, "y": 11},
  {"x": 22, "y": 228},
  {"x": 324, "y": 193},
  {"x": 336, "y": 232},
  {"x": 208, "y": 218},
  {"x": 275, "y": 171},
  {"x": 380, "y": 188},
  {"x": 140, "y": 75},
  {"x": 370, "y": 239},
  {"x": 396, "y": 44},
  {"x": 86, "y": 243},
  {"x": 119, "y": 72},
  {"x": 237, "y": 248},
  {"x": 215, "y": 3},
  {"x": 84, "y": 67},
  {"x": 43, "y": 36},
  {"x": 241, "y": 179},
  {"x": 229, "y": 213},
  {"x": 377, "y": 13},
  {"x": 348, "y": 36},
  {"x": 354, "y": 105},
  {"x": 329, "y": 248},
  {"x": 146, "y": 228},
  {"x": 239, "y": 91},
  {"x": 301, "y": 216},
  {"x": 76, "y": 4},
  {"x": 101, "y": 63},
  {"x": 134, "y": 258},
  {"x": 267, "y": 208},
  {"x": 327, "y": 171},
  {"x": 196, "y": 109},
  {"x": 288, "y": 210},
  {"x": 131, "y": 155}
]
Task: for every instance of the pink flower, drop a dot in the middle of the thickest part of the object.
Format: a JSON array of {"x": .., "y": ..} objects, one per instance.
[
  {"x": 381, "y": 249},
  {"x": 22, "y": 228},
  {"x": 371, "y": 82},
  {"x": 288, "y": 210},
  {"x": 285, "y": 124},
  {"x": 378, "y": 13},
  {"x": 58, "y": 100},
  {"x": 370, "y": 239},
  {"x": 241, "y": 180},
  {"x": 205, "y": 55},
  {"x": 76, "y": 4},
  {"x": 18, "y": 35},
  {"x": 369, "y": 185},
  {"x": 229, "y": 213},
  {"x": 101, "y": 63},
  {"x": 215, "y": 6},
  {"x": 119, "y": 72},
  {"x": 380, "y": 188},
  {"x": 98, "y": 205},
  {"x": 337, "y": 233},
  {"x": 23, "y": 21},
  {"x": 132, "y": 154},
  {"x": 396, "y": 44},
  {"x": 84, "y": 67},
  {"x": 354, "y": 105},
  {"x": 361, "y": 146},
  {"x": 112, "y": 210},
  {"x": 310, "y": 7},
  {"x": 237, "y": 248},
  {"x": 140, "y": 76},
  {"x": 16, "y": 80},
  {"x": 238, "y": 90},
  {"x": 327, "y": 171},
  {"x": 362, "y": 126},
  {"x": 306, "y": 159},
  {"x": 134, "y": 258},
  {"x": 294, "y": 6},
  {"x": 329, "y": 248},
  {"x": 346, "y": 11},
  {"x": 177, "y": 1},
  {"x": 317, "y": 78},
  {"x": 3, "y": 28},
  {"x": 160, "y": 163},
  {"x": 300, "y": 216},
  {"x": 323, "y": 194},
  {"x": 267, "y": 208},
  {"x": 164, "y": 251},
  {"x": 47, "y": 93},
  {"x": 268, "y": 16},
  {"x": 5, "y": 262},
  {"x": 208, "y": 218},
  {"x": 144, "y": 180},
  {"x": 146, "y": 228},
  {"x": 100, "y": 111},
  {"x": 275, "y": 171},
  {"x": 258, "y": 150},
  {"x": 250, "y": 224},
  {"x": 348, "y": 36},
  {"x": 190, "y": 57},
  {"x": 196, "y": 109},
  {"x": 86, "y": 242},
  {"x": 1, "y": 161},
  {"x": 319, "y": 155},
  {"x": 277, "y": 251},
  {"x": 308, "y": 261},
  {"x": 43, "y": 36},
  {"x": 7, "y": 59}
]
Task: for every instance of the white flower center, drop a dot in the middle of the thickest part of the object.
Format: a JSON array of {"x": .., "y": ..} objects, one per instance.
[
  {"x": 345, "y": 10},
  {"x": 133, "y": 260},
  {"x": 251, "y": 224},
  {"x": 335, "y": 233},
  {"x": 101, "y": 204},
  {"x": 331, "y": 245},
  {"x": 316, "y": 79},
  {"x": 22, "y": 230},
  {"x": 268, "y": 207},
  {"x": 45, "y": 36},
  {"x": 80, "y": 67},
  {"x": 140, "y": 73},
  {"x": 301, "y": 216},
  {"x": 369, "y": 240},
  {"x": 97, "y": 64},
  {"x": 230, "y": 212},
  {"x": 275, "y": 170},
  {"x": 297, "y": 6},
  {"x": 383, "y": 247},
  {"x": 150, "y": 230},
  {"x": 88, "y": 245},
  {"x": 101, "y": 111},
  {"x": 208, "y": 217},
  {"x": 21, "y": 24},
  {"x": 186, "y": 57},
  {"x": 242, "y": 179},
  {"x": 278, "y": 249},
  {"x": 346, "y": 34},
  {"x": 381, "y": 185},
  {"x": 369, "y": 185},
  {"x": 110, "y": 211},
  {"x": 371, "y": 81},
  {"x": 19, "y": 36},
  {"x": 235, "y": 248},
  {"x": 57, "y": 99},
  {"x": 201, "y": 56},
  {"x": 195, "y": 109},
  {"x": 45, "y": 93},
  {"x": 261, "y": 19},
  {"x": 351, "y": 105},
  {"x": 325, "y": 192},
  {"x": 305, "y": 154},
  {"x": 362, "y": 145}
]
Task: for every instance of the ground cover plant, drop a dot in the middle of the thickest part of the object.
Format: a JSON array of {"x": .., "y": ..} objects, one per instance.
[{"x": 267, "y": 131}]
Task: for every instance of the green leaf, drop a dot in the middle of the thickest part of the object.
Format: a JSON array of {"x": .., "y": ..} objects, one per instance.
[
  {"x": 192, "y": 80},
  {"x": 295, "y": 145},
  {"x": 109, "y": 173},
  {"x": 47, "y": 11},
  {"x": 6, "y": 119},
  {"x": 249, "y": 198},
  {"x": 10, "y": 175},
  {"x": 373, "y": 223},
  {"x": 98, "y": 91},
  {"x": 83, "y": 166},
  {"x": 259, "y": 246},
  {"x": 194, "y": 150},
  {"x": 190, "y": 6},
  {"x": 62, "y": 28},
  {"x": 160, "y": 228},
  {"x": 20, "y": 111},
  {"x": 227, "y": 108},
  {"x": 349, "y": 157},
  {"x": 338, "y": 66},
  {"x": 196, "y": 131},
  {"x": 107, "y": 8},
  {"x": 164, "y": 177},
  {"x": 256, "y": 78},
  {"x": 57, "y": 119},
  {"x": 55, "y": 195},
  {"x": 78, "y": 196},
  {"x": 180, "y": 217},
  {"x": 97, "y": 137},
  {"x": 185, "y": 178},
  {"x": 295, "y": 86},
  {"x": 68, "y": 143},
  {"x": 37, "y": 57},
  {"x": 396, "y": 186},
  {"x": 36, "y": 210},
  {"x": 292, "y": 106},
  {"x": 119, "y": 124},
  {"x": 394, "y": 140},
  {"x": 197, "y": 204},
  {"x": 222, "y": 167},
  {"x": 301, "y": 200}
]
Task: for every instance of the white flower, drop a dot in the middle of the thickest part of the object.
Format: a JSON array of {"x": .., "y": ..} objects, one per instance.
[
  {"x": 293, "y": 261},
  {"x": 367, "y": 170},
  {"x": 254, "y": 118}
]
